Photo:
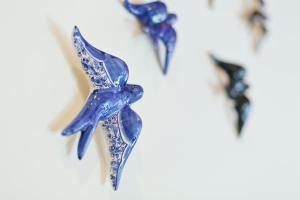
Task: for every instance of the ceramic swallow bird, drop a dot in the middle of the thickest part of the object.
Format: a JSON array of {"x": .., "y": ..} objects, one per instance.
[
  {"x": 108, "y": 103},
  {"x": 257, "y": 20},
  {"x": 157, "y": 24},
  {"x": 257, "y": 16},
  {"x": 236, "y": 89}
]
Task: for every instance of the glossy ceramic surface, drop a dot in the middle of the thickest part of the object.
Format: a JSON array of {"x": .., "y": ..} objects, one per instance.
[
  {"x": 157, "y": 23},
  {"x": 236, "y": 89},
  {"x": 109, "y": 103}
]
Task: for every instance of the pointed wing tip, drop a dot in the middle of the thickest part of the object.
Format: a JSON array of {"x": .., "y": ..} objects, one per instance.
[
  {"x": 116, "y": 187},
  {"x": 165, "y": 71},
  {"x": 115, "y": 180},
  {"x": 76, "y": 31},
  {"x": 240, "y": 128},
  {"x": 239, "y": 132},
  {"x": 213, "y": 58},
  {"x": 117, "y": 170}
]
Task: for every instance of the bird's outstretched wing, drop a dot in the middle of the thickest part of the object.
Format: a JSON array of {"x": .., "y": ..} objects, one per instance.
[
  {"x": 169, "y": 41},
  {"x": 103, "y": 69},
  {"x": 122, "y": 131},
  {"x": 234, "y": 71},
  {"x": 153, "y": 12},
  {"x": 166, "y": 33},
  {"x": 242, "y": 107}
]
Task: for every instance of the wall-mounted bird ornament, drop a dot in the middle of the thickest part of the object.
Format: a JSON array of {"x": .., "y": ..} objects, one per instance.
[
  {"x": 235, "y": 89},
  {"x": 109, "y": 103},
  {"x": 157, "y": 24},
  {"x": 257, "y": 20}
]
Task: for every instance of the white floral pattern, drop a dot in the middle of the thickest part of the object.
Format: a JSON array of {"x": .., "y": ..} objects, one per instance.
[
  {"x": 117, "y": 146},
  {"x": 94, "y": 67}
]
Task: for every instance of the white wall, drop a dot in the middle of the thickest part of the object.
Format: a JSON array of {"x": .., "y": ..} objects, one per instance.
[{"x": 187, "y": 148}]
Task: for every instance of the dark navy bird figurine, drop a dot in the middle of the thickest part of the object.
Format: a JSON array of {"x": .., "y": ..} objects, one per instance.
[
  {"x": 236, "y": 89},
  {"x": 108, "y": 103},
  {"x": 157, "y": 23}
]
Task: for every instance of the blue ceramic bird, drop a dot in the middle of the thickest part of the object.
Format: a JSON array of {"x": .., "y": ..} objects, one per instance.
[
  {"x": 108, "y": 103},
  {"x": 157, "y": 23}
]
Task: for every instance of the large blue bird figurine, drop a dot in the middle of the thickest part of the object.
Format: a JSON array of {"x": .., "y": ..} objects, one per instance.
[
  {"x": 157, "y": 23},
  {"x": 108, "y": 103}
]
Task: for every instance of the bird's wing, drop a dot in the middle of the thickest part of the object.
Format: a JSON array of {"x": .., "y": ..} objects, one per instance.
[
  {"x": 156, "y": 10},
  {"x": 169, "y": 41},
  {"x": 103, "y": 69},
  {"x": 234, "y": 71},
  {"x": 122, "y": 131},
  {"x": 242, "y": 107}
]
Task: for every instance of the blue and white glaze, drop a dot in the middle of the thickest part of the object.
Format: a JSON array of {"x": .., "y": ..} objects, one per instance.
[
  {"x": 236, "y": 89},
  {"x": 108, "y": 103},
  {"x": 157, "y": 23}
]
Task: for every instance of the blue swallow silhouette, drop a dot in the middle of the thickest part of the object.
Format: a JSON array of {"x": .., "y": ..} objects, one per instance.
[
  {"x": 108, "y": 103},
  {"x": 236, "y": 89},
  {"x": 157, "y": 23}
]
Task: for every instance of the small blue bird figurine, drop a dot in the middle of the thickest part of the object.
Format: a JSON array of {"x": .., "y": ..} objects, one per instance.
[
  {"x": 157, "y": 23},
  {"x": 108, "y": 103}
]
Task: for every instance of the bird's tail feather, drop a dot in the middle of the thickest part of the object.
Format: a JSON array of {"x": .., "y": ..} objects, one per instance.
[
  {"x": 85, "y": 139},
  {"x": 86, "y": 128},
  {"x": 75, "y": 126}
]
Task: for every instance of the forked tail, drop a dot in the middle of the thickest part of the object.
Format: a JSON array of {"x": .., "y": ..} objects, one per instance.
[{"x": 86, "y": 130}]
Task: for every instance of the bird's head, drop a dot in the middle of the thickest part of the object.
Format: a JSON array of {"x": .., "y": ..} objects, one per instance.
[
  {"x": 135, "y": 92},
  {"x": 157, "y": 12},
  {"x": 171, "y": 19}
]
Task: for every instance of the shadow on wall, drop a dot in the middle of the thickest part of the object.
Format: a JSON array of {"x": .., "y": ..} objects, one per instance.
[{"x": 65, "y": 117}]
